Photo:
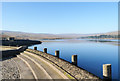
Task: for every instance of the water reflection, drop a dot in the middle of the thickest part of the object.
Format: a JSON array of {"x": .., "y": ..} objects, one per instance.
[{"x": 91, "y": 55}]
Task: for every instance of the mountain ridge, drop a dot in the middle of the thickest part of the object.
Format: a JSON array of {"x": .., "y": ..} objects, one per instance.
[{"x": 25, "y": 35}]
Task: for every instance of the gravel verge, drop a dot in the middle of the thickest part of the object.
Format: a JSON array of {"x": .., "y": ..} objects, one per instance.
[{"x": 10, "y": 69}]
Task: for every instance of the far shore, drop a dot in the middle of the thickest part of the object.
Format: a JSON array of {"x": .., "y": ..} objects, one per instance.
[
  {"x": 54, "y": 40},
  {"x": 106, "y": 41}
]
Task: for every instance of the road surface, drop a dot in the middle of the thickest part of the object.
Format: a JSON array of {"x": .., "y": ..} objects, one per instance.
[{"x": 32, "y": 66}]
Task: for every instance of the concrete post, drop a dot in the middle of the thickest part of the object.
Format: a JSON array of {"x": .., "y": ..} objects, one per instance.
[
  {"x": 57, "y": 53},
  {"x": 45, "y": 50},
  {"x": 74, "y": 59},
  {"x": 107, "y": 71},
  {"x": 35, "y": 48}
]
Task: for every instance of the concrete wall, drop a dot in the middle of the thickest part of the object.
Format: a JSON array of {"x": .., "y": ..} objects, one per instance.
[
  {"x": 7, "y": 53},
  {"x": 73, "y": 70}
]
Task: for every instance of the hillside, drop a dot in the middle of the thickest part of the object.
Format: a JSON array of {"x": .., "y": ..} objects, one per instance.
[{"x": 24, "y": 35}]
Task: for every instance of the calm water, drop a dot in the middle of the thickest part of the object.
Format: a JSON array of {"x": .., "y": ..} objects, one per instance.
[{"x": 91, "y": 55}]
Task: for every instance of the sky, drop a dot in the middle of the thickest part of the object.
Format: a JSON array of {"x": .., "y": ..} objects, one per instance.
[{"x": 60, "y": 17}]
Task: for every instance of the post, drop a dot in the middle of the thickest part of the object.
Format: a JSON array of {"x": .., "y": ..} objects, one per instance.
[
  {"x": 57, "y": 53},
  {"x": 45, "y": 50},
  {"x": 74, "y": 59},
  {"x": 35, "y": 48},
  {"x": 107, "y": 71}
]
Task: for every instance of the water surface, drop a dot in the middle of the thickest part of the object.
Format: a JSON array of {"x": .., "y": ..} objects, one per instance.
[{"x": 91, "y": 55}]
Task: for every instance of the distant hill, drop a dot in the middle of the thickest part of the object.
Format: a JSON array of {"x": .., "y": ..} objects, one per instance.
[
  {"x": 24, "y": 35},
  {"x": 109, "y": 35}
]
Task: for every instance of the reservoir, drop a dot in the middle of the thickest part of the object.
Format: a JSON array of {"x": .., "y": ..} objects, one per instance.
[{"x": 92, "y": 54}]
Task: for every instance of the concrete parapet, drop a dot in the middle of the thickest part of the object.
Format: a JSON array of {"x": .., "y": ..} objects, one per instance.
[
  {"x": 57, "y": 53},
  {"x": 75, "y": 71},
  {"x": 107, "y": 71},
  {"x": 35, "y": 48},
  {"x": 45, "y": 50},
  {"x": 74, "y": 59}
]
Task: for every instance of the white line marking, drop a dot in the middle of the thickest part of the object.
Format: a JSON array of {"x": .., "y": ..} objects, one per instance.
[
  {"x": 37, "y": 65},
  {"x": 60, "y": 73},
  {"x": 28, "y": 66}
]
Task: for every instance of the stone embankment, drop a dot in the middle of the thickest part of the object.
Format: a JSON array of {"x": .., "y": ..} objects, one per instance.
[
  {"x": 72, "y": 70},
  {"x": 19, "y": 42}
]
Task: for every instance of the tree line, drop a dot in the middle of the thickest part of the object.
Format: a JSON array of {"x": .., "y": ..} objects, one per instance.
[{"x": 103, "y": 36}]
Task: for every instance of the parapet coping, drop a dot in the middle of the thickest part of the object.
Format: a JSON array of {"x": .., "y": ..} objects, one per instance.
[{"x": 76, "y": 69}]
